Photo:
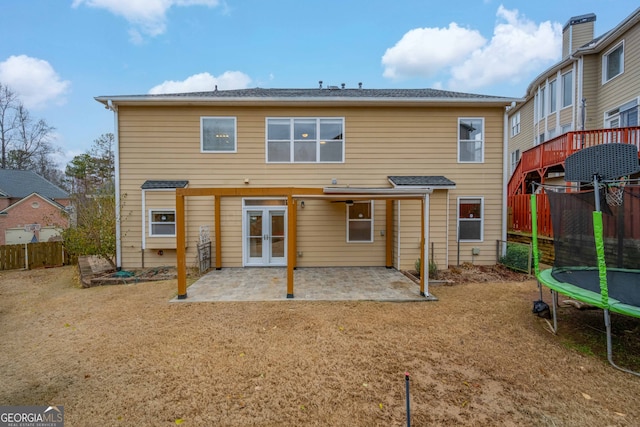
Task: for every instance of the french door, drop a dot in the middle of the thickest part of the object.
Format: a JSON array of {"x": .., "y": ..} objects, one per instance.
[{"x": 264, "y": 242}]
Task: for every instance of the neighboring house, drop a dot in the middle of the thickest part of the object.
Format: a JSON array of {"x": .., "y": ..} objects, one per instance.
[
  {"x": 32, "y": 209},
  {"x": 310, "y": 177},
  {"x": 596, "y": 85},
  {"x": 588, "y": 98}
]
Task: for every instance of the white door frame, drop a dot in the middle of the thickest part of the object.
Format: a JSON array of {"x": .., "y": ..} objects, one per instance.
[{"x": 267, "y": 212}]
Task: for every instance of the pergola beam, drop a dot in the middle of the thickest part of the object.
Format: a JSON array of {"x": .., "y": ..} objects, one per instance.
[{"x": 292, "y": 194}]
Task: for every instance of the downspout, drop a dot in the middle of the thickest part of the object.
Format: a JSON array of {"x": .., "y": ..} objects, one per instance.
[
  {"x": 505, "y": 174},
  {"x": 116, "y": 157},
  {"x": 579, "y": 92}
]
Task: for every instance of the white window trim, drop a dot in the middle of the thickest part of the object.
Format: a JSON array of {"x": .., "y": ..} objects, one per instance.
[
  {"x": 515, "y": 124},
  {"x": 235, "y": 131},
  {"x": 458, "y": 219},
  {"x": 151, "y": 222},
  {"x": 484, "y": 140},
  {"x": 292, "y": 139},
  {"x": 605, "y": 61},
  {"x": 562, "y": 80},
  {"x": 615, "y": 114},
  {"x": 553, "y": 103},
  {"x": 360, "y": 220},
  {"x": 515, "y": 159}
]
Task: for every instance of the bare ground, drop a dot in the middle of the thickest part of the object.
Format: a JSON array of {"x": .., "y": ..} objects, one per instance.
[{"x": 123, "y": 355}]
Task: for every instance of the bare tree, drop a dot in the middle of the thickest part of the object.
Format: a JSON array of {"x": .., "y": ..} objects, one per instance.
[
  {"x": 8, "y": 104},
  {"x": 32, "y": 139}
]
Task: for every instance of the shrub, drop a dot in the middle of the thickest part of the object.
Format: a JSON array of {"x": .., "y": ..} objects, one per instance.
[{"x": 516, "y": 258}]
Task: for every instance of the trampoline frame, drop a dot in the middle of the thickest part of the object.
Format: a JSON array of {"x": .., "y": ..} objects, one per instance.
[{"x": 600, "y": 300}]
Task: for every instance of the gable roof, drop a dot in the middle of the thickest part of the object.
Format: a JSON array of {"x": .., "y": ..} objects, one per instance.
[
  {"x": 325, "y": 95},
  {"x": 20, "y": 184},
  {"x": 30, "y": 196}
]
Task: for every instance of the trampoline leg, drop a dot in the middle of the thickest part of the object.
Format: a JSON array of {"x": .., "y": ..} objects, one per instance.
[
  {"x": 554, "y": 304},
  {"x": 607, "y": 324}
]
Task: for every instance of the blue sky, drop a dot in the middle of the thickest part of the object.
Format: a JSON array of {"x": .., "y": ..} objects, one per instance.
[{"x": 58, "y": 55}]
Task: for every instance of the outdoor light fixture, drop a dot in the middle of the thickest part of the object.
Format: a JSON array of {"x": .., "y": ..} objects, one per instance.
[{"x": 302, "y": 204}]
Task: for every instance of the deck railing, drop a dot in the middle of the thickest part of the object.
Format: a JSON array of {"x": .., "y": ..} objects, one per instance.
[{"x": 549, "y": 154}]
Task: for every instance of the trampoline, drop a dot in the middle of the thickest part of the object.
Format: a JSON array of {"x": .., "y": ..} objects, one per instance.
[{"x": 596, "y": 234}]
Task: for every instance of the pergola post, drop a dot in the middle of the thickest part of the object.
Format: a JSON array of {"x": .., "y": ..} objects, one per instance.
[
  {"x": 291, "y": 243},
  {"x": 181, "y": 246},
  {"x": 389, "y": 234},
  {"x": 424, "y": 249},
  {"x": 218, "y": 229}
]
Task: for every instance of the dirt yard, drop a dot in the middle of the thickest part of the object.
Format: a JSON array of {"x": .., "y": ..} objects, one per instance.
[{"x": 125, "y": 356}]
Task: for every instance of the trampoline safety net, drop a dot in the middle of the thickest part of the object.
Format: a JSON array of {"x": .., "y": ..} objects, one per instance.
[{"x": 574, "y": 244}]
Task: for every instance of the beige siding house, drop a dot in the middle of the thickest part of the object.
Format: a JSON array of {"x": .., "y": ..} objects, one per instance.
[
  {"x": 310, "y": 177},
  {"x": 594, "y": 86}
]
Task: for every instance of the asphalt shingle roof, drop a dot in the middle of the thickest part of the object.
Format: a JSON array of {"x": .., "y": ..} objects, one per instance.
[
  {"x": 422, "y": 181},
  {"x": 19, "y": 184},
  {"x": 162, "y": 184},
  {"x": 331, "y": 92}
]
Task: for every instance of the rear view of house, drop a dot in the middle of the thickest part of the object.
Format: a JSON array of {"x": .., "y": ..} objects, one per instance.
[{"x": 310, "y": 177}]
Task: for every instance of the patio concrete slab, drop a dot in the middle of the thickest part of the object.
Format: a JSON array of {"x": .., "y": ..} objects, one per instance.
[{"x": 310, "y": 284}]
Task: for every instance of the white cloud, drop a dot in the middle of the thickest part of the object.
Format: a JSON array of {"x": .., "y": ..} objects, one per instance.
[
  {"x": 34, "y": 81},
  {"x": 424, "y": 52},
  {"x": 147, "y": 17},
  {"x": 204, "y": 82},
  {"x": 518, "y": 46}
]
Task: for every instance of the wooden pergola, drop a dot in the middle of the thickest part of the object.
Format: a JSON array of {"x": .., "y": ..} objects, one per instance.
[{"x": 292, "y": 194}]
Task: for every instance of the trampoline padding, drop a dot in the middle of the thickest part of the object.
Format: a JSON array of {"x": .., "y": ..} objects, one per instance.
[{"x": 583, "y": 285}]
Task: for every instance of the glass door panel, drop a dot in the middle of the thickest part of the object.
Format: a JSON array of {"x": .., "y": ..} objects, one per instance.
[
  {"x": 255, "y": 236},
  {"x": 278, "y": 242}
]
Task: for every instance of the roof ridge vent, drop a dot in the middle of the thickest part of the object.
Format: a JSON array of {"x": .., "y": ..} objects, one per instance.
[{"x": 333, "y": 87}]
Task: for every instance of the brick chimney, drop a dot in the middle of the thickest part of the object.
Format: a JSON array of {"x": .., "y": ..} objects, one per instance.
[{"x": 577, "y": 32}]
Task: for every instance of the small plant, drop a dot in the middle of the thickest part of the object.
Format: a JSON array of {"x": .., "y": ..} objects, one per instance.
[{"x": 433, "y": 268}]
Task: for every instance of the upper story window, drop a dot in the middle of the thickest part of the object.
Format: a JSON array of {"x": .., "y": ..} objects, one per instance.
[
  {"x": 515, "y": 158},
  {"x": 552, "y": 96},
  {"x": 542, "y": 103},
  {"x": 613, "y": 63},
  {"x": 305, "y": 140},
  {"x": 471, "y": 140},
  {"x": 218, "y": 135},
  {"x": 360, "y": 222},
  {"x": 515, "y": 124},
  {"x": 470, "y": 219},
  {"x": 162, "y": 223},
  {"x": 567, "y": 89}
]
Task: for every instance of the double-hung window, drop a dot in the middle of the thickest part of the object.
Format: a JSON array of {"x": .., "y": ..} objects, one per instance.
[
  {"x": 305, "y": 140},
  {"x": 218, "y": 135},
  {"x": 360, "y": 221},
  {"x": 567, "y": 89},
  {"x": 542, "y": 103},
  {"x": 515, "y": 124},
  {"x": 613, "y": 63},
  {"x": 470, "y": 140},
  {"x": 470, "y": 219},
  {"x": 515, "y": 158},
  {"x": 162, "y": 223},
  {"x": 552, "y": 96}
]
